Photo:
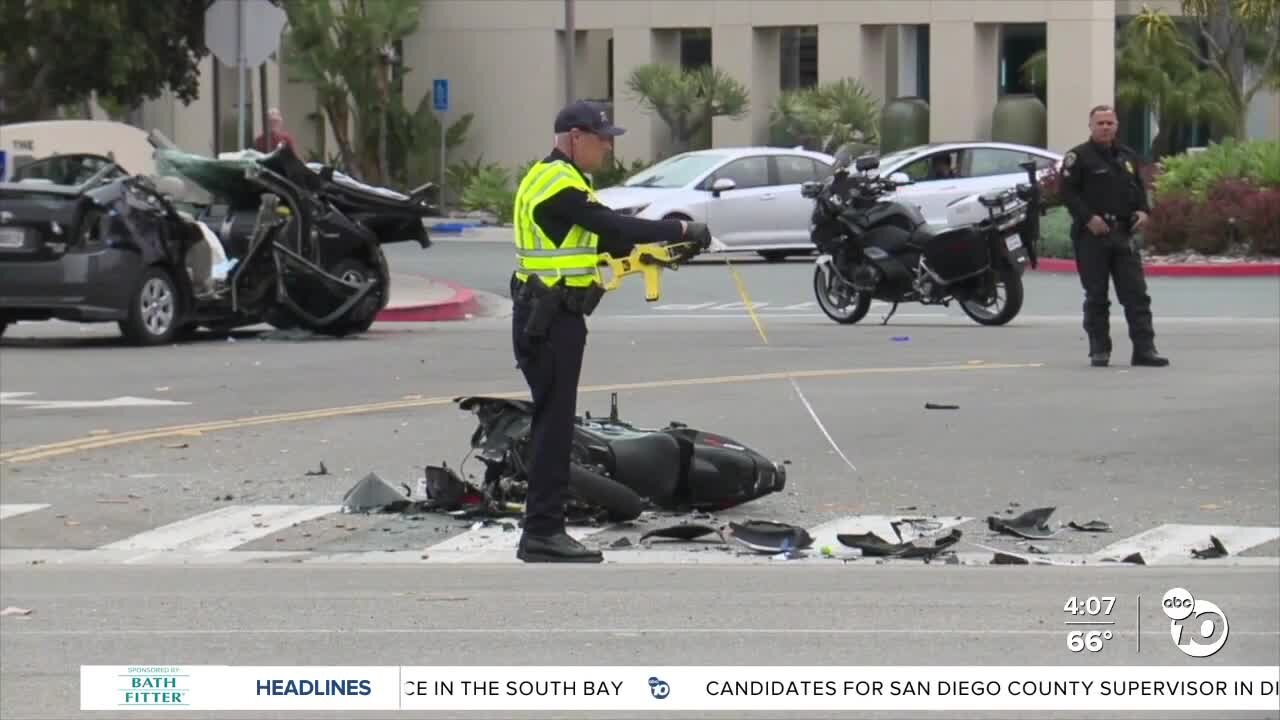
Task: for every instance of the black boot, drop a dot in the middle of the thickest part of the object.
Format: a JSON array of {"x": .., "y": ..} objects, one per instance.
[
  {"x": 559, "y": 547},
  {"x": 1148, "y": 357},
  {"x": 1099, "y": 350}
]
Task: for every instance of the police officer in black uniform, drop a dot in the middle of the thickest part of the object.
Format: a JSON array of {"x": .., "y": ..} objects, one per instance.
[
  {"x": 1103, "y": 191},
  {"x": 549, "y": 336}
]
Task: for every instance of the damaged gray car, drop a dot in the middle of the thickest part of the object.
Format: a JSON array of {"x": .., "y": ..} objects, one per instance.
[{"x": 270, "y": 239}]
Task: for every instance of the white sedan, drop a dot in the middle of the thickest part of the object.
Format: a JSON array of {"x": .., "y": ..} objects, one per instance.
[
  {"x": 942, "y": 173},
  {"x": 749, "y": 197}
]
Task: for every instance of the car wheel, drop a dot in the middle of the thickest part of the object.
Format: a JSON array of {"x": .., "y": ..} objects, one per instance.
[
  {"x": 773, "y": 255},
  {"x": 3, "y": 326},
  {"x": 361, "y": 317},
  {"x": 155, "y": 309}
]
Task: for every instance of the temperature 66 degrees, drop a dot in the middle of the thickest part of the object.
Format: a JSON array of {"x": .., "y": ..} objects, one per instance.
[{"x": 1093, "y": 606}]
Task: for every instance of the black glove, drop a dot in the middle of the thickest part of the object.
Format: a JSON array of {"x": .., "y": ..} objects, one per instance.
[{"x": 698, "y": 234}]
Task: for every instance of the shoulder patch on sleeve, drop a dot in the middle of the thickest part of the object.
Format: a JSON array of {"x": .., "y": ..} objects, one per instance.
[{"x": 1069, "y": 159}]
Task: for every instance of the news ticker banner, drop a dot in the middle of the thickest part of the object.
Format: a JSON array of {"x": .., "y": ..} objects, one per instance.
[{"x": 570, "y": 688}]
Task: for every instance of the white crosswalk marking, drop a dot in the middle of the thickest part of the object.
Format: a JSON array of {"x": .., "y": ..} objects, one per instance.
[
  {"x": 8, "y": 511},
  {"x": 220, "y": 530},
  {"x": 214, "y": 538}
]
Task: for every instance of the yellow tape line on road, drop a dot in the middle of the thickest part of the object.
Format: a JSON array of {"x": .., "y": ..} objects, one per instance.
[{"x": 66, "y": 447}]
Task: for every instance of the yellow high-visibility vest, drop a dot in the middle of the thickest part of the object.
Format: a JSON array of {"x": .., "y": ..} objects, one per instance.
[{"x": 575, "y": 260}]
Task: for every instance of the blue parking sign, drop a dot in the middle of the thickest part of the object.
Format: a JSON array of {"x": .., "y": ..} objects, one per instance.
[{"x": 440, "y": 94}]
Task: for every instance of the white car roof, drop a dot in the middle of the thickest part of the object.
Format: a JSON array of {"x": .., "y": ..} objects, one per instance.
[{"x": 740, "y": 151}]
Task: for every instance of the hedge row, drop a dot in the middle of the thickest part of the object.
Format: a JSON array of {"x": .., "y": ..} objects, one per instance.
[{"x": 1223, "y": 200}]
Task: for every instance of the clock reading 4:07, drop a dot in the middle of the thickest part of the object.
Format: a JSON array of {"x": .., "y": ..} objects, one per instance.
[{"x": 1091, "y": 605}]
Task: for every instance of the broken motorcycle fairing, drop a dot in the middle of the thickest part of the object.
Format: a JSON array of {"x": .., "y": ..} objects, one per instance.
[
  {"x": 616, "y": 466},
  {"x": 294, "y": 245}
]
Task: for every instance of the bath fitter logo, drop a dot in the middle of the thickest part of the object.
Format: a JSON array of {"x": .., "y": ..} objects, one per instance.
[{"x": 154, "y": 686}]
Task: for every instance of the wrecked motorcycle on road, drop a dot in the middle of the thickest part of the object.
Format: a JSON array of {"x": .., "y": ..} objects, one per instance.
[{"x": 617, "y": 469}]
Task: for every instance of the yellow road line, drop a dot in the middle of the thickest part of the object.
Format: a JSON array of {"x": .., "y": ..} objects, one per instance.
[{"x": 66, "y": 447}]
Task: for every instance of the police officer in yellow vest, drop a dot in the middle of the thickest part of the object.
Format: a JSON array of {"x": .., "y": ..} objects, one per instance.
[{"x": 560, "y": 230}]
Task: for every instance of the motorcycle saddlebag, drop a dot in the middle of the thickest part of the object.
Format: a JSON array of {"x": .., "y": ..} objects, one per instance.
[{"x": 957, "y": 254}]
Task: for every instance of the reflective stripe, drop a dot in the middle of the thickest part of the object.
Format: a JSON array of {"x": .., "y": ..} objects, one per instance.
[{"x": 575, "y": 260}]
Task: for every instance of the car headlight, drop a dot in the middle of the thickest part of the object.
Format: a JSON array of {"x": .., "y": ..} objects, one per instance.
[{"x": 632, "y": 210}]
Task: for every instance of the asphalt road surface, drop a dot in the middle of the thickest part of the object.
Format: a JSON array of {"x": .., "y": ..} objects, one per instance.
[{"x": 159, "y": 505}]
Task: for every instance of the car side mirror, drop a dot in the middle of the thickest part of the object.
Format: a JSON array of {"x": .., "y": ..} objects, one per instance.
[
  {"x": 900, "y": 178},
  {"x": 721, "y": 185},
  {"x": 811, "y": 189}
]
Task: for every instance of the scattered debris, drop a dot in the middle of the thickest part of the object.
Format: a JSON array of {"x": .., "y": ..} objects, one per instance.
[
  {"x": 1135, "y": 558},
  {"x": 901, "y": 338},
  {"x": 621, "y": 542},
  {"x": 11, "y": 610},
  {"x": 178, "y": 446},
  {"x": 1215, "y": 550},
  {"x": 683, "y": 531},
  {"x": 940, "y": 406},
  {"x": 1091, "y": 526},
  {"x": 1003, "y": 558},
  {"x": 322, "y": 471},
  {"x": 373, "y": 493},
  {"x": 1035, "y": 550},
  {"x": 1030, "y": 524},
  {"x": 872, "y": 545},
  {"x": 771, "y": 537}
]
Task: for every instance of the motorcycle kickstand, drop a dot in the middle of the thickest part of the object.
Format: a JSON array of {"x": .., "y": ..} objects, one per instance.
[{"x": 892, "y": 310}]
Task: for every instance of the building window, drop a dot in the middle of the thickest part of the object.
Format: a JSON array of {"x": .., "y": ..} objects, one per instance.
[
  {"x": 799, "y": 58},
  {"x": 695, "y": 48}
]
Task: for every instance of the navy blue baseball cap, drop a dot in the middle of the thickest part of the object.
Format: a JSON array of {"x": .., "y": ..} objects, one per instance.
[{"x": 592, "y": 117}]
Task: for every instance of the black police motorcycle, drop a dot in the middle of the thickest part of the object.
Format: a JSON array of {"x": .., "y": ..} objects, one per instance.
[{"x": 873, "y": 248}]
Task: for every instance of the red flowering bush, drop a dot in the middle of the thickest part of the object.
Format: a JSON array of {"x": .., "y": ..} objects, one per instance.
[
  {"x": 1260, "y": 221},
  {"x": 1171, "y": 221}
]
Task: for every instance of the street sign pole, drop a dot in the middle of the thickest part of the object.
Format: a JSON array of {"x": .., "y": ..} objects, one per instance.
[{"x": 440, "y": 100}]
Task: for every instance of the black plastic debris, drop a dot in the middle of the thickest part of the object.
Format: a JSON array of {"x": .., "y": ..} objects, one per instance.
[
  {"x": 620, "y": 543},
  {"x": 766, "y": 536},
  {"x": 373, "y": 494},
  {"x": 1001, "y": 558},
  {"x": 683, "y": 531},
  {"x": 1215, "y": 550},
  {"x": 872, "y": 545},
  {"x": 1030, "y": 524},
  {"x": 445, "y": 489},
  {"x": 314, "y": 473},
  {"x": 1091, "y": 526},
  {"x": 940, "y": 406}
]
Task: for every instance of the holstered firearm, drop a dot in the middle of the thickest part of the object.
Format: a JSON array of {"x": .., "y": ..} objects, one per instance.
[
  {"x": 545, "y": 301},
  {"x": 648, "y": 259}
]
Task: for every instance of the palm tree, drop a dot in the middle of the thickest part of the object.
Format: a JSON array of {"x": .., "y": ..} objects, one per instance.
[
  {"x": 687, "y": 99},
  {"x": 826, "y": 117}
]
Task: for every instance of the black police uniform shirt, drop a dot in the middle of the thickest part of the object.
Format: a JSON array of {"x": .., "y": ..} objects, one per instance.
[
  {"x": 1102, "y": 180},
  {"x": 618, "y": 234}
]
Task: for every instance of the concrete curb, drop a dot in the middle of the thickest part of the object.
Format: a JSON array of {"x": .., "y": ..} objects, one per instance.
[
  {"x": 462, "y": 303},
  {"x": 1261, "y": 269}
]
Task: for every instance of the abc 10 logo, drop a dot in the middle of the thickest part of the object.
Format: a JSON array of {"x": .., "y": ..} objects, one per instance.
[{"x": 1199, "y": 627}]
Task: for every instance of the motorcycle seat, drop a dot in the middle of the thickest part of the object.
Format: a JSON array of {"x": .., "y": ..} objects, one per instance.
[{"x": 648, "y": 464}]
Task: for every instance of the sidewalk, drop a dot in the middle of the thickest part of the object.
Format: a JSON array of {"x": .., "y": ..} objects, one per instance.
[{"x": 420, "y": 299}]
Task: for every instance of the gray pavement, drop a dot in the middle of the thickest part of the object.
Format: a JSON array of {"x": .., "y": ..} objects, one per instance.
[{"x": 162, "y": 512}]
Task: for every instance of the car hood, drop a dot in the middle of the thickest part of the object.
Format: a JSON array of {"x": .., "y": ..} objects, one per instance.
[{"x": 619, "y": 197}]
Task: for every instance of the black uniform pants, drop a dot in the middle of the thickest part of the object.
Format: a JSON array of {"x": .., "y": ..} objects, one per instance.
[
  {"x": 551, "y": 367},
  {"x": 1099, "y": 259}
]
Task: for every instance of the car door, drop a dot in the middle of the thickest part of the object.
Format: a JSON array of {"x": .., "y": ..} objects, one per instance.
[
  {"x": 741, "y": 216},
  {"x": 996, "y": 168},
  {"x": 791, "y": 221},
  {"x": 937, "y": 181}
]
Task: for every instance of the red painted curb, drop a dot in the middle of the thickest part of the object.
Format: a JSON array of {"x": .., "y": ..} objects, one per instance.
[
  {"x": 457, "y": 307},
  {"x": 1262, "y": 269}
]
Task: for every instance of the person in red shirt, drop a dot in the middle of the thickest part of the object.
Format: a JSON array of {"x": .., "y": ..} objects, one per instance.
[{"x": 278, "y": 134}]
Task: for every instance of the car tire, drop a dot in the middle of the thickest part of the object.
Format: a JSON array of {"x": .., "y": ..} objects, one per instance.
[
  {"x": 773, "y": 256},
  {"x": 363, "y": 315},
  {"x": 155, "y": 309}
]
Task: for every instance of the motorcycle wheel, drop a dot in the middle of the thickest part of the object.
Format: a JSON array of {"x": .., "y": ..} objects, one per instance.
[
  {"x": 619, "y": 501},
  {"x": 998, "y": 313},
  {"x": 853, "y": 308}
]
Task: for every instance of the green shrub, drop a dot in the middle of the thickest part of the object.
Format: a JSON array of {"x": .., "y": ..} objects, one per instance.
[
  {"x": 1055, "y": 234},
  {"x": 1256, "y": 162},
  {"x": 491, "y": 190}
]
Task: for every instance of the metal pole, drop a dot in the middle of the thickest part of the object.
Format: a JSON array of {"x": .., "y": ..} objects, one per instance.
[
  {"x": 442, "y": 161},
  {"x": 240, "y": 68},
  {"x": 570, "y": 52}
]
